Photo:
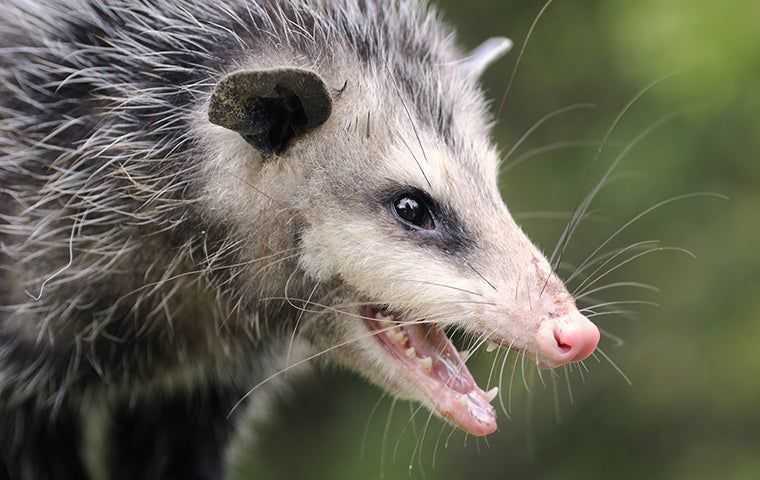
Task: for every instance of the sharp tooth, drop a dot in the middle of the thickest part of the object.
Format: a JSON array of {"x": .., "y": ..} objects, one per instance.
[
  {"x": 465, "y": 354},
  {"x": 491, "y": 394},
  {"x": 491, "y": 347},
  {"x": 396, "y": 336},
  {"x": 410, "y": 352},
  {"x": 426, "y": 363}
]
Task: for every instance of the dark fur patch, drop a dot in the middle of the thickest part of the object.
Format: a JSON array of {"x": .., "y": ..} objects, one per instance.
[
  {"x": 40, "y": 445},
  {"x": 450, "y": 235},
  {"x": 182, "y": 436}
]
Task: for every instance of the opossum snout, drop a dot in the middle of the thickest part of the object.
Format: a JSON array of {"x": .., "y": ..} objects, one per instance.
[{"x": 569, "y": 338}]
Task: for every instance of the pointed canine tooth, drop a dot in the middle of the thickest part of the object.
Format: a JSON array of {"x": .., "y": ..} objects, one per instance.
[
  {"x": 410, "y": 352},
  {"x": 491, "y": 347},
  {"x": 491, "y": 394},
  {"x": 426, "y": 363},
  {"x": 465, "y": 354}
]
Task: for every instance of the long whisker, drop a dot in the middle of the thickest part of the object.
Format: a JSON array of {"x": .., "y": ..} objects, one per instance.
[
  {"x": 403, "y": 430},
  {"x": 372, "y": 412},
  {"x": 437, "y": 443},
  {"x": 480, "y": 275},
  {"x": 421, "y": 445},
  {"x": 610, "y": 312},
  {"x": 615, "y": 366},
  {"x": 522, "y": 369},
  {"x": 436, "y": 284},
  {"x": 493, "y": 368},
  {"x": 619, "y": 302},
  {"x": 448, "y": 437},
  {"x": 572, "y": 225},
  {"x": 618, "y": 342},
  {"x": 555, "y": 393},
  {"x": 534, "y": 152},
  {"x": 566, "y": 371},
  {"x": 481, "y": 341},
  {"x": 416, "y": 133},
  {"x": 644, "y": 286},
  {"x": 606, "y": 259},
  {"x": 643, "y": 214},
  {"x": 550, "y": 215},
  {"x": 501, "y": 376},
  {"x": 386, "y": 429},
  {"x": 637, "y": 256},
  {"x": 298, "y": 322},
  {"x": 520, "y": 56},
  {"x": 536, "y": 125},
  {"x": 538, "y": 370},
  {"x": 416, "y": 160}
]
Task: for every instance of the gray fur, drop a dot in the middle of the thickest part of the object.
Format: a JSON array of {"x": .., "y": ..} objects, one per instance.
[
  {"x": 115, "y": 217},
  {"x": 146, "y": 250}
]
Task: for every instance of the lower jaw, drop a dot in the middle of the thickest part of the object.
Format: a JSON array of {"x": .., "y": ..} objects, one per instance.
[{"x": 429, "y": 366}]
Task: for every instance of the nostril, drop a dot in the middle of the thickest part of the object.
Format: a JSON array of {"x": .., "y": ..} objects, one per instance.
[
  {"x": 563, "y": 346},
  {"x": 571, "y": 338}
]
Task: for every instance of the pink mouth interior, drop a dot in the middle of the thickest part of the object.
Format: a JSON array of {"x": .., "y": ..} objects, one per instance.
[{"x": 430, "y": 361}]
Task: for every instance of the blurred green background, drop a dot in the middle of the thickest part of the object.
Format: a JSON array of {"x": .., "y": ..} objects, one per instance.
[{"x": 692, "y": 411}]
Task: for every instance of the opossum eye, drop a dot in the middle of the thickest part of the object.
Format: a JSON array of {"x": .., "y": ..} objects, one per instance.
[{"x": 413, "y": 209}]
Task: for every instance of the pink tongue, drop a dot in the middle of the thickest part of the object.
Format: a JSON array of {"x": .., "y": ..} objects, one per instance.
[{"x": 450, "y": 386}]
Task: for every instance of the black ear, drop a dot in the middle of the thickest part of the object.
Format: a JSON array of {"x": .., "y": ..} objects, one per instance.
[{"x": 270, "y": 107}]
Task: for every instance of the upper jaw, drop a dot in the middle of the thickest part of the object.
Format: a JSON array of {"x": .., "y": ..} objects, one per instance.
[{"x": 431, "y": 369}]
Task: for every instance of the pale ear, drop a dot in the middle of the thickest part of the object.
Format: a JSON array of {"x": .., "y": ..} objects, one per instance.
[
  {"x": 485, "y": 54},
  {"x": 270, "y": 108}
]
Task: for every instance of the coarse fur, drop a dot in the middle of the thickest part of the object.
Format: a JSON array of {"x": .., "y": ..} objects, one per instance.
[{"x": 152, "y": 261}]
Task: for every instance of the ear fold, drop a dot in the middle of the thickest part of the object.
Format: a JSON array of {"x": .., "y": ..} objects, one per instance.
[
  {"x": 269, "y": 108},
  {"x": 485, "y": 54}
]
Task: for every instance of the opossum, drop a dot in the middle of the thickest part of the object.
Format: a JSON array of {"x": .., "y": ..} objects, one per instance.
[{"x": 190, "y": 187}]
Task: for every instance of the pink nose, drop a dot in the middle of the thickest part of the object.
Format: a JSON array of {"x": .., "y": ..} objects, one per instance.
[{"x": 566, "y": 339}]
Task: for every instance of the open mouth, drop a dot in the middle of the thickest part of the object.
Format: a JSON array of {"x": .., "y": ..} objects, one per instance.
[{"x": 429, "y": 360}]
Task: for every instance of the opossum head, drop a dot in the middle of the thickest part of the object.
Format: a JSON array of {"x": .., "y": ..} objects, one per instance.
[{"x": 396, "y": 202}]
